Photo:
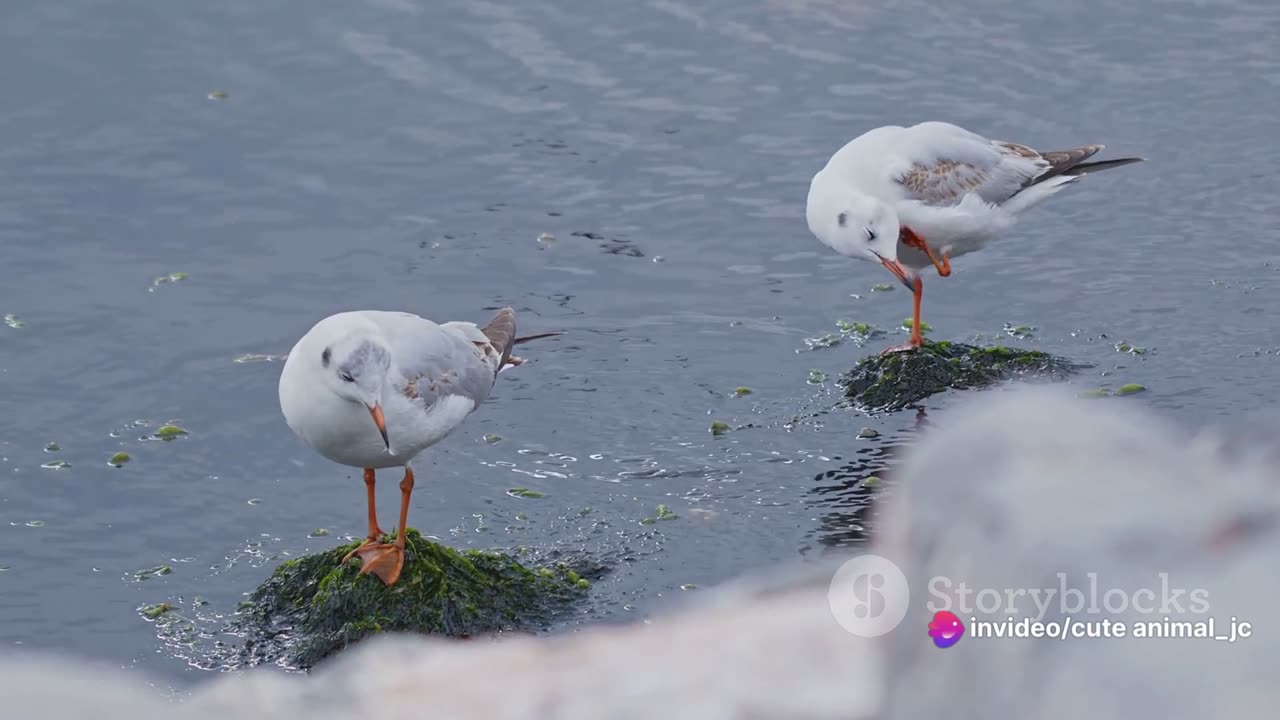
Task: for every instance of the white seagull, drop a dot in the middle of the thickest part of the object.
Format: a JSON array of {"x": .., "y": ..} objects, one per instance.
[
  {"x": 911, "y": 197},
  {"x": 373, "y": 389}
]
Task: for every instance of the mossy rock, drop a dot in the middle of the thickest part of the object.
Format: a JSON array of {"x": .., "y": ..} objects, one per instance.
[
  {"x": 891, "y": 382},
  {"x": 314, "y": 606}
]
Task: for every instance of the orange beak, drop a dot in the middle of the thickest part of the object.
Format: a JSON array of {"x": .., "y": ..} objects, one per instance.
[
  {"x": 898, "y": 271},
  {"x": 376, "y": 411}
]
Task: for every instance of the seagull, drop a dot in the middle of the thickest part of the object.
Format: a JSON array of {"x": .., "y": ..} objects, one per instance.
[
  {"x": 372, "y": 389},
  {"x": 911, "y": 197}
]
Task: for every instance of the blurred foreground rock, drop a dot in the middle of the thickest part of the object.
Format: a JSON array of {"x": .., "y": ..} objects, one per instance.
[{"x": 1005, "y": 494}]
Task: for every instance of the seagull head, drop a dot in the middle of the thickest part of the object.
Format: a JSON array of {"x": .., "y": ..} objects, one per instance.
[
  {"x": 355, "y": 368},
  {"x": 856, "y": 225}
]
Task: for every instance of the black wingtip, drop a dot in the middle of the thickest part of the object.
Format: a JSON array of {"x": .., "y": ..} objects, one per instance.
[{"x": 1100, "y": 165}]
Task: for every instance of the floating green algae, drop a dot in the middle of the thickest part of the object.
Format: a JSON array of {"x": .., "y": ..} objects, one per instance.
[
  {"x": 493, "y": 439},
  {"x": 858, "y": 331},
  {"x": 14, "y": 321},
  {"x": 1125, "y": 347},
  {"x": 664, "y": 513},
  {"x": 823, "y": 341},
  {"x": 153, "y": 612},
  {"x": 816, "y": 377},
  {"x": 119, "y": 459},
  {"x": 881, "y": 287},
  {"x": 719, "y": 428},
  {"x": 1021, "y": 332},
  {"x": 891, "y": 382},
  {"x": 149, "y": 573},
  {"x": 522, "y": 492},
  {"x": 169, "y": 432},
  {"x": 219, "y": 95},
  {"x": 739, "y": 392},
  {"x": 314, "y": 606},
  {"x": 166, "y": 279},
  {"x": 258, "y": 357},
  {"x": 56, "y": 465},
  {"x": 52, "y": 447},
  {"x": 1130, "y": 389},
  {"x": 908, "y": 323}
]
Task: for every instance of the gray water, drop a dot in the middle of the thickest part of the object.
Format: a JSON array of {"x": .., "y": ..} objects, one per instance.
[{"x": 401, "y": 154}]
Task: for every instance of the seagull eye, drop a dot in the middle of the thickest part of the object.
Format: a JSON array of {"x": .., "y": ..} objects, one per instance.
[
  {"x": 871, "y": 235},
  {"x": 346, "y": 376}
]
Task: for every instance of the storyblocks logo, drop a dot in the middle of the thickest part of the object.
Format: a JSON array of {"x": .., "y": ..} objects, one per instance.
[{"x": 1162, "y": 598}]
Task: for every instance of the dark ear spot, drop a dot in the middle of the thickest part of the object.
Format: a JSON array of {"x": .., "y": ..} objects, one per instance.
[
  {"x": 842, "y": 219},
  {"x": 324, "y": 357}
]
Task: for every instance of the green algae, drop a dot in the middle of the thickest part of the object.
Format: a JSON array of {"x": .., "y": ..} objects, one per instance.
[
  {"x": 739, "y": 392},
  {"x": 314, "y": 606},
  {"x": 891, "y": 382},
  {"x": 1021, "y": 332},
  {"x": 149, "y": 573},
  {"x": 523, "y": 492},
  {"x": 868, "y": 433},
  {"x": 119, "y": 459},
  {"x": 154, "y": 612},
  {"x": 858, "y": 331},
  {"x": 823, "y": 341},
  {"x": 56, "y": 465},
  {"x": 258, "y": 357},
  {"x": 881, "y": 287},
  {"x": 908, "y": 323},
  {"x": 169, "y": 432},
  {"x": 664, "y": 513},
  {"x": 816, "y": 377},
  {"x": 1130, "y": 389},
  {"x": 718, "y": 428},
  {"x": 167, "y": 279},
  {"x": 14, "y": 321},
  {"x": 52, "y": 447}
]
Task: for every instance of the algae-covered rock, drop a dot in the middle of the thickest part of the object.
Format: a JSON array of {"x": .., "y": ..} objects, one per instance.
[
  {"x": 313, "y": 606},
  {"x": 892, "y": 382}
]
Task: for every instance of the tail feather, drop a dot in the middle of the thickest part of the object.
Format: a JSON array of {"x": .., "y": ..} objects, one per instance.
[
  {"x": 1062, "y": 161},
  {"x": 1071, "y": 163},
  {"x": 501, "y": 332}
]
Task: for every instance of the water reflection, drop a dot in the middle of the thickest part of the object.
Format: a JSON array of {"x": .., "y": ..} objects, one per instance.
[{"x": 848, "y": 495}]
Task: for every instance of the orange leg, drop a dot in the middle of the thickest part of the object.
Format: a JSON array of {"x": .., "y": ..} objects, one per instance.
[
  {"x": 383, "y": 559},
  {"x": 917, "y": 339},
  {"x": 908, "y": 237},
  {"x": 375, "y": 532}
]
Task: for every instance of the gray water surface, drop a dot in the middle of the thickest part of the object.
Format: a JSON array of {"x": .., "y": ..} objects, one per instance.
[{"x": 400, "y": 154}]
